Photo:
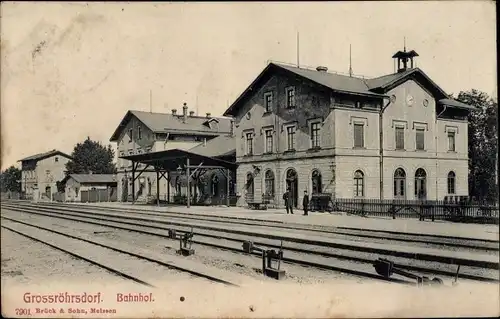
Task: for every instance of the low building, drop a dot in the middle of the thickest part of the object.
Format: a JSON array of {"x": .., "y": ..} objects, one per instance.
[
  {"x": 41, "y": 172},
  {"x": 90, "y": 188}
]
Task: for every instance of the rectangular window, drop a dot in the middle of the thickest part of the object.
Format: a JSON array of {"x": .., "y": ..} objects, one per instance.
[
  {"x": 420, "y": 139},
  {"x": 122, "y": 161},
  {"x": 359, "y": 140},
  {"x": 451, "y": 141},
  {"x": 56, "y": 159},
  {"x": 268, "y": 101},
  {"x": 290, "y": 133},
  {"x": 315, "y": 134},
  {"x": 269, "y": 141},
  {"x": 400, "y": 138},
  {"x": 130, "y": 132},
  {"x": 290, "y": 98},
  {"x": 139, "y": 133},
  {"x": 249, "y": 140}
]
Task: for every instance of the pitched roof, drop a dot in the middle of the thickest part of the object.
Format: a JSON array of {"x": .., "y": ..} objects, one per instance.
[
  {"x": 457, "y": 104},
  {"x": 94, "y": 178},
  {"x": 342, "y": 83},
  {"x": 336, "y": 82},
  {"x": 223, "y": 145},
  {"x": 41, "y": 156},
  {"x": 169, "y": 123}
]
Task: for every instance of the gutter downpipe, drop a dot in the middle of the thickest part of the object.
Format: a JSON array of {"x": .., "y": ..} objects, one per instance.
[
  {"x": 436, "y": 146},
  {"x": 381, "y": 149}
]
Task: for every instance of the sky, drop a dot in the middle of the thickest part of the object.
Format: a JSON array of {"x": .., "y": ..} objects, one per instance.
[{"x": 72, "y": 70}]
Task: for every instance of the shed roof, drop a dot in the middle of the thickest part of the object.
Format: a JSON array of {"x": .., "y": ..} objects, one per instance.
[
  {"x": 457, "y": 104},
  {"x": 172, "y": 159},
  {"x": 94, "y": 178},
  {"x": 223, "y": 145}
]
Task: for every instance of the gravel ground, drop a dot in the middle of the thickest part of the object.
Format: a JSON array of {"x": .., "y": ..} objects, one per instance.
[
  {"x": 25, "y": 261},
  {"x": 316, "y": 258},
  {"x": 236, "y": 263},
  {"x": 384, "y": 239},
  {"x": 146, "y": 271}
]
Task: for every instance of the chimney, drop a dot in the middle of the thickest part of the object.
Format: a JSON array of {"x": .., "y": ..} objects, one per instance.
[
  {"x": 184, "y": 112},
  {"x": 321, "y": 69},
  {"x": 191, "y": 113},
  {"x": 174, "y": 111},
  {"x": 205, "y": 141},
  {"x": 208, "y": 115},
  {"x": 231, "y": 132}
]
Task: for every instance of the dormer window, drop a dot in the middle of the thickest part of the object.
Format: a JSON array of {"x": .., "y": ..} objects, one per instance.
[
  {"x": 268, "y": 101},
  {"x": 290, "y": 98}
]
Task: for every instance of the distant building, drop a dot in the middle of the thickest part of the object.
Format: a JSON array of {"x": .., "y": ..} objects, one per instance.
[
  {"x": 40, "y": 173},
  {"x": 313, "y": 130},
  {"x": 143, "y": 132},
  {"x": 90, "y": 188}
]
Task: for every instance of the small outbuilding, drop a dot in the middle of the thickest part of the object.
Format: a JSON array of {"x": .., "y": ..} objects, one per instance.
[{"x": 90, "y": 188}]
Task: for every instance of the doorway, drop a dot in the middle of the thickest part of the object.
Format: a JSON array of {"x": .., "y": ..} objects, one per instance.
[
  {"x": 250, "y": 188},
  {"x": 292, "y": 183},
  {"x": 48, "y": 192}
]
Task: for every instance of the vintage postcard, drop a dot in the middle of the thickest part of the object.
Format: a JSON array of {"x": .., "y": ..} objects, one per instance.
[{"x": 249, "y": 159}]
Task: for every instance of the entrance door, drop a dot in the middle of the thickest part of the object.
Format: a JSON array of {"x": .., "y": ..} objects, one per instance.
[
  {"x": 250, "y": 188},
  {"x": 47, "y": 192},
  {"x": 420, "y": 184},
  {"x": 292, "y": 183}
]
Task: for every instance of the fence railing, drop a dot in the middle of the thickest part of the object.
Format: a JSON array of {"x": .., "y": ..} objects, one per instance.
[{"x": 460, "y": 211}]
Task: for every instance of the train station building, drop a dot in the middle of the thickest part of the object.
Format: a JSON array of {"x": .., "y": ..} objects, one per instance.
[{"x": 397, "y": 136}]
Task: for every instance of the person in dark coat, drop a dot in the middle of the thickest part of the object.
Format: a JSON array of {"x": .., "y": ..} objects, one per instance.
[
  {"x": 305, "y": 203},
  {"x": 288, "y": 201}
]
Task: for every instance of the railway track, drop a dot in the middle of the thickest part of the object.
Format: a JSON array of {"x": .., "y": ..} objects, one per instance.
[
  {"x": 346, "y": 232},
  {"x": 93, "y": 253},
  {"x": 359, "y": 264}
]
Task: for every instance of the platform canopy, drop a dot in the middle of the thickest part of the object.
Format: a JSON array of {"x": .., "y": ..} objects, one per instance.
[
  {"x": 171, "y": 160},
  {"x": 183, "y": 161}
]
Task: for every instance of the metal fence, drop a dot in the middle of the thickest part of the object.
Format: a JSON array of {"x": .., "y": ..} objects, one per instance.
[{"x": 461, "y": 210}]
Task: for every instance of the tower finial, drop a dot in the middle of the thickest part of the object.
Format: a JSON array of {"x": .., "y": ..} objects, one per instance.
[{"x": 350, "y": 61}]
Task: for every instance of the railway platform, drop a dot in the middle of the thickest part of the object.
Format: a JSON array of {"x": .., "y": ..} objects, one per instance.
[{"x": 409, "y": 226}]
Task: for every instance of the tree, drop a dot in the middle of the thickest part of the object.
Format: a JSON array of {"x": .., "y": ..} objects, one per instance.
[
  {"x": 10, "y": 180},
  {"x": 483, "y": 144},
  {"x": 91, "y": 156}
]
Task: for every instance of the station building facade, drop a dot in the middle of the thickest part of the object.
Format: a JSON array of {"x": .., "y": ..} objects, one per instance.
[
  {"x": 398, "y": 136},
  {"x": 144, "y": 132}
]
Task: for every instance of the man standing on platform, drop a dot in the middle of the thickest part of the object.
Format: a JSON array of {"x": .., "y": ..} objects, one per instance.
[
  {"x": 305, "y": 203},
  {"x": 288, "y": 201}
]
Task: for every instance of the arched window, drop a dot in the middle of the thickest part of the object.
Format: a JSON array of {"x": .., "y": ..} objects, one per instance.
[
  {"x": 269, "y": 180},
  {"x": 359, "y": 183},
  {"x": 451, "y": 183},
  {"x": 214, "y": 185},
  {"x": 399, "y": 183},
  {"x": 317, "y": 186},
  {"x": 420, "y": 184}
]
